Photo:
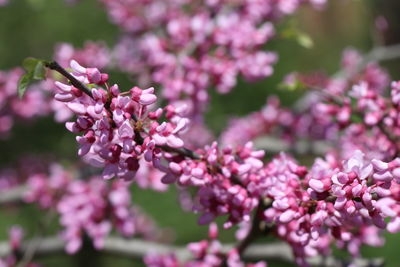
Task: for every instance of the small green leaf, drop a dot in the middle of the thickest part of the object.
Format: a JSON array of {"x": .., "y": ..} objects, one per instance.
[
  {"x": 23, "y": 84},
  {"x": 305, "y": 40},
  {"x": 35, "y": 70},
  {"x": 40, "y": 71},
  {"x": 30, "y": 63},
  {"x": 295, "y": 85},
  {"x": 292, "y": 31}
]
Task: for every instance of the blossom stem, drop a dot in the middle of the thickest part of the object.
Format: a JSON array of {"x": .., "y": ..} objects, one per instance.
[{"x": 55, "y": 66}]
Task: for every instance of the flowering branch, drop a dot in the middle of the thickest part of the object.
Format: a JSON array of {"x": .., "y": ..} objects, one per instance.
[{"x": 307, "y": 205}]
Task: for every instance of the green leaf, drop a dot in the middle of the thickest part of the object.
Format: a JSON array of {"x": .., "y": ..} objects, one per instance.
[
  {"x": 304, "y": 40},
  {"x": 35, "y": 70},
  {"x": 295, "y": 85},
  {"x": 292, "y": 31},
  {"x": 23, "y": 83},
  {"x": 40, "y": 71},
  {"x": 30, "y": 63}
]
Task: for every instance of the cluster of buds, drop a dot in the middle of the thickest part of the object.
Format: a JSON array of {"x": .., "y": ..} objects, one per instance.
[
  {"x": 88, "y": 207},
  {"x": 94, "y": 208},
  {"x": 272, "y": 116},
  {"x": 190, "y": 47},
  {"x": 117, "y": 128},
  {"x": 349, "y": 110},
  {"x": 220, "y": 175}
]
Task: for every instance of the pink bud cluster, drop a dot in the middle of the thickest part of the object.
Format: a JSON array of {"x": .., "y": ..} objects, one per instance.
[
  {"x": 118, "y": 128},
  {"x": 205, "y": 253},
  {"x": 219, "y": 174},
  {"x": 346, "y": 202},
  {"x": 90, "y": 207},
  {"x": 332, "y": 202},
  {"x": 190, "y": 47},
  {"x": 271, "y": 117},
  {"x": 349, "y": 110}
]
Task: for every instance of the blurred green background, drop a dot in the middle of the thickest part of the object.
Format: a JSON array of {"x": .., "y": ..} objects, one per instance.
[{"x": 33, "y": 27}]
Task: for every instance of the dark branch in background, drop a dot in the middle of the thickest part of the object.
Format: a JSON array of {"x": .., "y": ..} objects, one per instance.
[
  {"x": 255, "y": 230},
  {"x": 182, "y": 151}
]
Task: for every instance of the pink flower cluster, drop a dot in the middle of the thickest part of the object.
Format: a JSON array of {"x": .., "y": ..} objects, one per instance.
[
  {"x": 219, "y": 175},
  {"x": 270, "y": 118},
  {"x": 205, "y": 253},
  {"x": 90, "y": 207},
  {"x": 343, "y": 203},
  {"x": 190, "y": 47},
  {"x": 349, "y": 110},
  {"x": 118, "y": 128},
  {"x": 346, "y": 203}
]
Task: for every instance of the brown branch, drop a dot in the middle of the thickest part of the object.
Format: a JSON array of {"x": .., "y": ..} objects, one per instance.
[
  {"x": 181, "y": 151},
  {"x": 255, "y": 229},
  {"x": 55, "y": 66}
]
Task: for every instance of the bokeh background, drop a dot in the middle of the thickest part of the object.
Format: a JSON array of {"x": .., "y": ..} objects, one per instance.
[{"x": 34, "y": 27}]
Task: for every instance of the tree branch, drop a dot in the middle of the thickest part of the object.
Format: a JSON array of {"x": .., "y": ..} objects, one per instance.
[
  {"x": 55, "y": 66},
  {"x": 255, "y": 229},
  {"x": 383, "y": 53},
  {"x": 13, "y": 195}
]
